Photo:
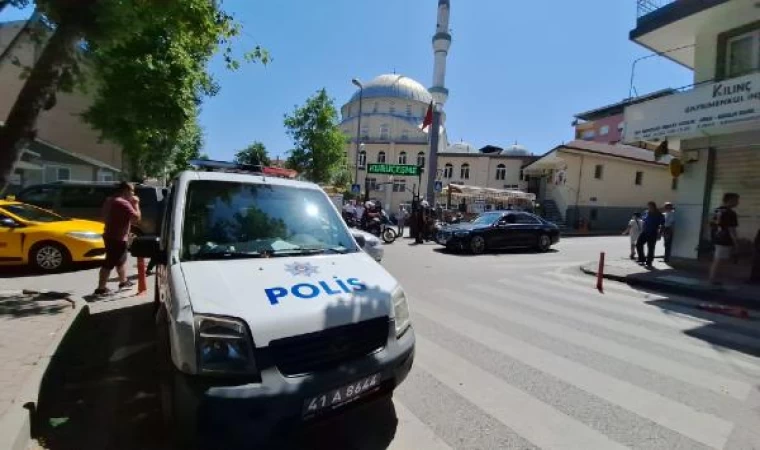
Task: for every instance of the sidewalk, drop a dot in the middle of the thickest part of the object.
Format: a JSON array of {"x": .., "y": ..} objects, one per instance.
[{"x": 687, "y": 278}]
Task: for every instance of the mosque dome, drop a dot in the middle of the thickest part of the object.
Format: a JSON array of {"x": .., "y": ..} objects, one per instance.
[
  {"x": 394, "y": 86},
  {"x": 461, "y": 147},
  {"x": 516, "y": 150}
]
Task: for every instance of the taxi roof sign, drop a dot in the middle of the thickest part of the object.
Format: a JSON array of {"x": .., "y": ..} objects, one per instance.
[{"x": 409, "y": 170}]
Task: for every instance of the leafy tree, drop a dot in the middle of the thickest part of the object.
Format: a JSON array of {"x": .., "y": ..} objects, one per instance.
[
  {"x": 148, "y": 61},
  {"x": 254, "y": 154},
  {"x": 342, "y": 178},
  {"x": 319, "y": 143}
]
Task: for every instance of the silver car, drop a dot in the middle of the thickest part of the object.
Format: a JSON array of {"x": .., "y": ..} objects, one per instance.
[{"x": 372, "y": 245}]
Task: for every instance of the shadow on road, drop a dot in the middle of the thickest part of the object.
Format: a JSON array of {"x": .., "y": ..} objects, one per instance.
[
  {"x": 509, "y": 251},
  {"x": 19, "y": 306},
  {"x": 28, "y": 271}
]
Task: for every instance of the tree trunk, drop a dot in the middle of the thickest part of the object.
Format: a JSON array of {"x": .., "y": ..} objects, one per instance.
[{"x": 41, "y": 86}]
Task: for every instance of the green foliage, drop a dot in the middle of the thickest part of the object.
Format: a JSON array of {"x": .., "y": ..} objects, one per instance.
[
  {"x": 319, "y": 143},
  {"x": 254, "y": 154},
  {"x": 342, "y": 178}
]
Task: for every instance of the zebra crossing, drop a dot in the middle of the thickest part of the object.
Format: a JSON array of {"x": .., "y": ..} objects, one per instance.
[{"x": 539, "y": 359}]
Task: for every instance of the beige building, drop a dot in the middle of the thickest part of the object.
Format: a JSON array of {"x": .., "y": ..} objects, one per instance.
[
  {"x": 711, "y": 128},
  {"x": 599, "y": 183},
  {"x": 58, "y": 128}
]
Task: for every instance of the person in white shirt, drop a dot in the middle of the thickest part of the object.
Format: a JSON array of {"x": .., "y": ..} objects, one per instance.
[
  {"x": 634, "y": 229},
  {"x": 668, "y": 227}
]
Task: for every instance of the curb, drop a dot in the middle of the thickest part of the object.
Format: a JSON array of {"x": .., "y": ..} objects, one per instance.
[
  {"x": 16, "y": 424},
  {"x": 677, "y": 289}
]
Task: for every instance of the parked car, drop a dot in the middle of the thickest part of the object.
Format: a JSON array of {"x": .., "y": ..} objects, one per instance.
[
  {"x": 45, "y": 240},
  {"x": 84, "y": 200},
  {"x": 499, "y": 230},
  {"x": 370, "y": 244},
  {"x": 268, "y": 313}
]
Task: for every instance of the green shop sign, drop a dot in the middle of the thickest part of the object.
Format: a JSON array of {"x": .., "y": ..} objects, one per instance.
[{"x": 409, "y": 170}]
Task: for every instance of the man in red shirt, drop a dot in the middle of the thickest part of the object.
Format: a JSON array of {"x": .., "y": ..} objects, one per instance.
[{"x": 120, "y": 211}]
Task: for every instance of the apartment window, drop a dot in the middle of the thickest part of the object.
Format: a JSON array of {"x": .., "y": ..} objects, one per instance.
[
  {"x": 362, "y": 159},
  {"x": 384, "y": 132},
  {"x": 501, "y": 172},
  {"x": 399, "y": 185},
  {"x": 405, "y": 135},
  {"x": 448, "y": 171},
  {"x": 674, "y": 184},
  {"x": 743, "y": 54},
  {"x": 639, "y": 178},
  {"x": 393, "y": 107},
  {"x": 621, "y": 127},
  {"x": 464, "y": 172},
  {"x": 402, "y": 158},
  {"x": 421, "y": 159},
  {"x": 105, "y": 175},
  {"x": 588, "y": 135},
  {"x": 604, "y": 131},
  {"x": 599, "y": 171},
  {"x": 408, "y": 110},
  {"x": 381, "y": 157}
]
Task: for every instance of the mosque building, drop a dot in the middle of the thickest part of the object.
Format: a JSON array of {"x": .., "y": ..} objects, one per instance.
[{"x": 393, "y": 106}]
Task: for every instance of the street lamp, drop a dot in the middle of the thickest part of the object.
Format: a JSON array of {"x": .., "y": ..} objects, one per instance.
[{"x": 358, "y": 127}]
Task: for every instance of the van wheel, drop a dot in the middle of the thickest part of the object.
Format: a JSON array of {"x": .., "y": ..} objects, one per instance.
[
  {"x": 178, "y": 416},
  {"x": 49, "y": 256}
]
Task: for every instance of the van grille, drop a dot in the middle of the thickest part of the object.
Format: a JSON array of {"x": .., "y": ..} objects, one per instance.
[{"x": 327, "y": 349}]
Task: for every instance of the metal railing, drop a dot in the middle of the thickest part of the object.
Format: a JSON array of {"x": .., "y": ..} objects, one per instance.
[{"x": 644, "y": 7}]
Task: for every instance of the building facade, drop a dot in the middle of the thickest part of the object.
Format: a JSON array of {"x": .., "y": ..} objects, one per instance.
[
  {"x": 601, "y": 185},
  {"x": 58, "y": 128},
  {"x": 711, "y": 128}
]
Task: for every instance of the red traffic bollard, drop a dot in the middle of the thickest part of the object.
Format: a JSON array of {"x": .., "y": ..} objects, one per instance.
[{"x": 142, "y": 280}]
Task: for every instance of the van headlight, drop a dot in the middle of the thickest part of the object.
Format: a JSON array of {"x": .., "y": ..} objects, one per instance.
[
  {"x": 224, "y": 346},
  {"x": 401, "y": 312}
]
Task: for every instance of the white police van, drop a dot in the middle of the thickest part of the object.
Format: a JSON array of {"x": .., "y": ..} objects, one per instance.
[{"x": 269, "y": 314}]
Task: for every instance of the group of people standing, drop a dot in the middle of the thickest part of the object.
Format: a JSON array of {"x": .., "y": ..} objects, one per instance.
[{"x": 655, "y": 224}]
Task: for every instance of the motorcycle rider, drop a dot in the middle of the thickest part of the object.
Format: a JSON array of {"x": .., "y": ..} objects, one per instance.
[{"x": 371, "y": 218}]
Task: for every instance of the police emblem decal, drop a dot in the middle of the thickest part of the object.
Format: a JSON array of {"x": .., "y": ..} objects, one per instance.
[{"x": 305, "y": 269}]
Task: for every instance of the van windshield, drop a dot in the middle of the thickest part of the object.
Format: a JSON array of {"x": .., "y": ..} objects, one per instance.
[{"x": 240, "y": 220}]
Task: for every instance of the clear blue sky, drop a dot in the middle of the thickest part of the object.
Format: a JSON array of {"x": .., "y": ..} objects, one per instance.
[{"x": 517, "y": 70}]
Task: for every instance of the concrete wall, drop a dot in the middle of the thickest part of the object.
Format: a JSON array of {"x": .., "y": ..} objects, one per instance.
[
  {"x": 61, "y": 125},
  {"x": 483, "y": 170}
]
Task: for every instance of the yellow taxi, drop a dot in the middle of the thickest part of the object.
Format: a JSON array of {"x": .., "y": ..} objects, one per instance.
[{"x": 45, "y": 240}]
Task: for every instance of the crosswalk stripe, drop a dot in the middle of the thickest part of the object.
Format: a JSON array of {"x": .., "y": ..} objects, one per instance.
[
  {"x": 697, "y": 377},
  {"x": 530, "y": 418},
  {"x": 412, "y": 433},
  {"x": 673, "y": 341},
  {"x": 702, "y": 427},
  {"x": 635, "y": 308}
]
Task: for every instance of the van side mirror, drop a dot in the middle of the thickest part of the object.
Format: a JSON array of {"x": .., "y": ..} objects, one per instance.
[
  {"x": 145, "y": 247},
  {"x": 360, "y": 240}
]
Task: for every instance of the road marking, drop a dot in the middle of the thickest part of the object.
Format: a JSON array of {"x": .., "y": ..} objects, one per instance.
[
  {"x": 673, "y": 340},
  {"x": 529, "y": 417},
  {"x": 517, "y": 264},
  {"x": 694, "y": 376},
  {"x": 412, "y": 433},
  {"x": 702, "y": 427}
]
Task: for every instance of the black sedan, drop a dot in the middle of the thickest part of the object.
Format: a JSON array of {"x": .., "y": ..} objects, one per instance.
[{"x": 499, "y": 230}]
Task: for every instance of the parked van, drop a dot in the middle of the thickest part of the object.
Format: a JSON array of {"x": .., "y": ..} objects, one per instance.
[
  {"x": 84, "y": 200},
  {"x": 269, "y": 314}
]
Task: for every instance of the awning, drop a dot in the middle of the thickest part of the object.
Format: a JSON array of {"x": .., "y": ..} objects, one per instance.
[
  {"x": 475, "y": 191},
  {"x": 25, "y": 165}
]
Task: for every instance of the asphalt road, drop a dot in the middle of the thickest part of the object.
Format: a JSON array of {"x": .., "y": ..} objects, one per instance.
[{"x": 515, "y": 350}]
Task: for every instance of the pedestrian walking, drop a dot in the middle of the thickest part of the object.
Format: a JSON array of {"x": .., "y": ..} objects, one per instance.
[
  {"x": 651, "y": 233},
  {"x": 401, "y": 220},
  {"x": 723, "y": 227},
  {"x": 120, "y": 211},
  {"x": 667, "y": 229},
  {"x": 635, "y": 226}
]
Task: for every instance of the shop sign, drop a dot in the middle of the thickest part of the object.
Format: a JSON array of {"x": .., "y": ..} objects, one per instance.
[
  {"x": 394, "y": 169},
  {"x": 716, "y": 108}
]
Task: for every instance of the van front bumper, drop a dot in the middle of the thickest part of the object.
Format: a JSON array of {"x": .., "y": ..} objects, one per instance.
[{"x": 259, "y": 411}]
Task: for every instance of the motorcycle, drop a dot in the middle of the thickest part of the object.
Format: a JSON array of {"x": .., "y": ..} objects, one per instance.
[{"x": 382, "y": 228}]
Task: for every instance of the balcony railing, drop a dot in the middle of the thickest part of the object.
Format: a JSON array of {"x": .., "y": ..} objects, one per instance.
[{"x": 644, "y": 7}]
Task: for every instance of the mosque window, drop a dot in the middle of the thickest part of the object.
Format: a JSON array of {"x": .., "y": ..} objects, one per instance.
[
  {"x": 408, "y": 110},
  {"x": 375, "y": 107},
  {"x": 381, "y": 157},
  {"x": 405, "y": 135},
  {"x": 362, "y": 158},
  {"x": 349, "y": 111},
  {"x": 448, "y": 170},
  {"x": 421, "y": 159},
  {"x": 402, "y": 158},
  {"x": 501, "y": 172},
  {"x": 365, "y": 132},
  {"x": 384, "y": 132},
  {"x": 465, "y": 172}
]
